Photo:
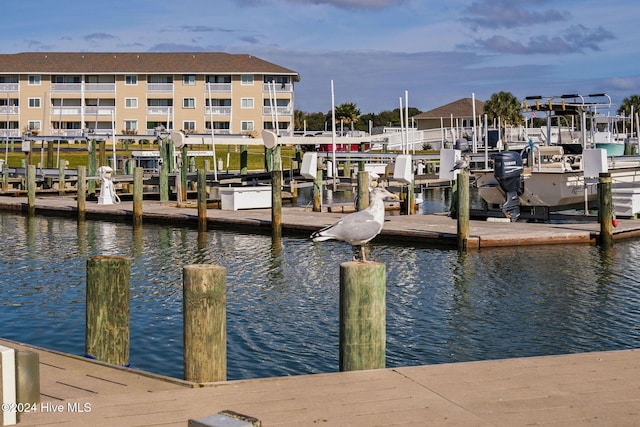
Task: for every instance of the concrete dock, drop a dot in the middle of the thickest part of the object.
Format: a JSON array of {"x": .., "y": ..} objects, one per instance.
[{"x": 599, "y": 389}]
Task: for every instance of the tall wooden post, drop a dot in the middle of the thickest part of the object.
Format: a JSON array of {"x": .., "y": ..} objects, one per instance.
[
  {"x": 81, "y": 186},
  {"x": 362, "y": 201},
  {"x": 92, "y": 168},
  {"x": 184, "y": 169},
  {"x": 205, "y": 324},
  {"x": 463, "y": 209},
  {"x": 5, "y": 177},
  {"x": 107, "y": 313},
  {"x": 244, "y": 159},
  {"x": 317, "y": 192},
  {"x": 202, "y": 199},
  {"x": 163, "y": 146},
  {"x": 31, "y": 189},
  {"x": 137, "y": 195},
  {"x": 362, "y": 315},
  {"x": 276, "y": 203},
  {"x": 61, "y": 183},
  {"x": 102, "y": 153},
  {"x": 605, "y": 215}
]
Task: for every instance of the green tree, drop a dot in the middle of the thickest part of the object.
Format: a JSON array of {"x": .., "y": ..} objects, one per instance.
[
  {"x": 348, "y": 114},
  {"x": 506, "y": 106},
  {"x": 627, "y": 103}
]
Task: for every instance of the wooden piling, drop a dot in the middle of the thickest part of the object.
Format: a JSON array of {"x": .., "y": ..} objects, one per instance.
[
  {"x": 202, "y": 199},
  {"x": 137, "y": 195},
  {"x": 317, "y": 192},
  {"x": 92, "y": 168},
  {"x": 362, "y": 201},
  {"x": 244, "y": 159},
  {"x": 276, "y": 203},
  {"x": 107, "y": 311},
  {"x": 362, "y": 315},
  {"x": 463, "y": 209},
  {"x": 31, "y": 189},
  {"x": 204, "y": 326},
  {"x": 81, "y": 187},
  {"x": 184, "y": 170},
  {"x": 61, "y": 183},
  {"x": 605, "y": 215},
  {"x": 163, "y": 147}
]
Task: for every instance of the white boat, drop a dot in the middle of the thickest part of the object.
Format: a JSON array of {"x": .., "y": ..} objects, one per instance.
[{"x": 548, "y": 178}]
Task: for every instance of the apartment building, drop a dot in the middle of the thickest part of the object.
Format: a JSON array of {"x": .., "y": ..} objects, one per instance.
[{"x": 66, "y": 94}]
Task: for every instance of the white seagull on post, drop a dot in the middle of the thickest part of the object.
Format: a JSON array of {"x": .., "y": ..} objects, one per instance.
[
  {"x": 462, "y": 163},
  {"x": 359, "y": 227}
]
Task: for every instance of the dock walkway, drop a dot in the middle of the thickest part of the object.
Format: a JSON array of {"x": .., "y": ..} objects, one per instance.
[
  {"x": 427, "y": 229},
  {"x": 599, "y": 388}
]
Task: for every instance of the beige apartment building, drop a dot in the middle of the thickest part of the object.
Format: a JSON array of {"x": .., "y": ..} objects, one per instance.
[{"x": 66, "y": 94}]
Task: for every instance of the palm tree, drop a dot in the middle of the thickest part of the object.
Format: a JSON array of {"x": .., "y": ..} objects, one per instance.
[
  {"x": 505, "y": 106},
  {"x": 348, "y": 113}
]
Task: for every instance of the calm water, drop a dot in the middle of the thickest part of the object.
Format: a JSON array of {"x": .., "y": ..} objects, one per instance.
[{"x": 442, "y": 305}]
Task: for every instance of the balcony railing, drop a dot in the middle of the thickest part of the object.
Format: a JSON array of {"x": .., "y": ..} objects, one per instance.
[
  {"x": 280, "y": 87},
  {"x": 9, "y": 87},
  {"x": 160, "y": 87},
  {"x": 58, "y": 110},
  {"x": 66, "y": 132},
  {"x": 103, "y": 110},
  {"x": 281, "y": 111},
  {"x": 10, "y": 110},
  {"x": 8, "y": 133},
  {"x": 217, "y": 87},
  {"x": 66, "y": 87},
  {"x": 100, "y": 87},
  {"x": 217, "y": 111},
  {"x": 159, "y": 110}
]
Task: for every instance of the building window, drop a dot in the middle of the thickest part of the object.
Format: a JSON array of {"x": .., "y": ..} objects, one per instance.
[
  {"x": 131, "y": 103},
  {"x": 246, "y": 125},
  {"x": 246, "y": 103},
  {"x": 247, "y": 80},
  {"x": 188, "y": 103},
  {"x": 131, "y": 125},
  {"x": 189, "y": 126},
  {"x": 34, "y": 80},
  {"x": 188, "y": 79},
  {"x": 131, "y": 80},
  {"x": 34, "y": 102},
  {"x": 33, "y": 125}
]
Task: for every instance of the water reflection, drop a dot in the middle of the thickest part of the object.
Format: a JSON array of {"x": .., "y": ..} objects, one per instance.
[{"x": 282, "y": 294}]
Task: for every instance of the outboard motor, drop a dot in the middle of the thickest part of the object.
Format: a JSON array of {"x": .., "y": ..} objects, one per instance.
[{"x": 507, "y": 169}]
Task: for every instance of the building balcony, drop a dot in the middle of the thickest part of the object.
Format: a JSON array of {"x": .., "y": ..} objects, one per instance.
[
  {"x": 10, "y": 133},
  {"x": 76, "y": 110},
  {"x": 100, "y": 87},
  {"x": 217, "y": 87},
  {"x": 159, "y": 110},
  {"x": 281, "y": 111},
  {"x": 9, "y": 87},
  {"x": 279, "y": 87},
  {"x": 160, "y": 87},
  {"x": 106, "y": 110},
  {"x": 9, "y": 110},
  {"x": 217, "y": 111}
]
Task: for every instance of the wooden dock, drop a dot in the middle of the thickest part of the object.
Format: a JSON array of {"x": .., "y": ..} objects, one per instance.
[
  {"x": 418, "y": 229},
  {"x": 599, "y": 388}
]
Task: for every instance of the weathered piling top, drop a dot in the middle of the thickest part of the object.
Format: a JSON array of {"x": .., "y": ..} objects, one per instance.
[{"x": 426, "y": 229}]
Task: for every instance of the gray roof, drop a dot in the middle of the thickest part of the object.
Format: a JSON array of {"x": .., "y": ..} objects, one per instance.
[{"x": 460, "y": 108}]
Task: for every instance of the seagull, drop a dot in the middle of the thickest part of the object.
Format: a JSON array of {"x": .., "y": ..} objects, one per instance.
[
  {"x": 462, "y": 163},
  {"x": 359, "y": 227}
]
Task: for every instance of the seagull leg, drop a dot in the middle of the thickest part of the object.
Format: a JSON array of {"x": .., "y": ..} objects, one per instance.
[{"x": 364, "y": 258}]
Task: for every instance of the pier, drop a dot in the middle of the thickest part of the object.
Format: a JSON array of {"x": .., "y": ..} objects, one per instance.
[{"x": 597, "y": 388}]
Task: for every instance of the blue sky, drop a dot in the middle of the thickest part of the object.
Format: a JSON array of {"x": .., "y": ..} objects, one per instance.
[{"x": 373, "y": 50}]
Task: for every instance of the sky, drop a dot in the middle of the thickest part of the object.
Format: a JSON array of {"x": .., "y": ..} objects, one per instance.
[{"x": 376, "y": 52}]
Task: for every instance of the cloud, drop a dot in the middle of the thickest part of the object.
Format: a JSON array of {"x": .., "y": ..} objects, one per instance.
[
  {"x": 503, "y": 14},
  {"x": 35, "y": 45},
  {"x": 575, "y": 39},
  {"x": 99, "y": 37},
  {"x": 343, "y": 4},
  {"x": 199, "y": 29}
]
